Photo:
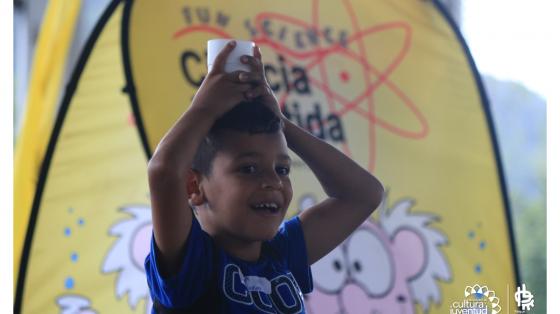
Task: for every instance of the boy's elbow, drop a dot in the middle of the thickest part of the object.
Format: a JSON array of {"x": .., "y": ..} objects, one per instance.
[
  {"x": 155, "y": 168},
  {"x": 367, "y": 195},
  {"x": 374, "y": 194}
]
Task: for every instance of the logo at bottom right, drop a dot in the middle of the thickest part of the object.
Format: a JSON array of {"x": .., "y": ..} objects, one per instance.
[{"x": 524, "y": 298}]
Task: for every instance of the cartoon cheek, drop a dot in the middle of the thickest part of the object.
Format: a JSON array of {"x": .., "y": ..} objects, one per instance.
[
  {"x": 409, "y": 253},
  {"x": 319, "y": 302},
  {"x": 141, "y": 245}
]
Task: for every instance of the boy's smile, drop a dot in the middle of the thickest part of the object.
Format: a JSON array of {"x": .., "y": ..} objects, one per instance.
[{"x": 248, "y": 189}]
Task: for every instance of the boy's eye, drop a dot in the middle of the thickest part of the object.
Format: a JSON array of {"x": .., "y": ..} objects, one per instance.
[
  {"x": 283, "y": 171},
  {"x": 248, "y": 169}
]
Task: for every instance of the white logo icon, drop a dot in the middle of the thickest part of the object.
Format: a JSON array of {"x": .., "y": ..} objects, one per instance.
[
  {"x": 483, "y": 296},
  {"x": 524, "y": 298}
]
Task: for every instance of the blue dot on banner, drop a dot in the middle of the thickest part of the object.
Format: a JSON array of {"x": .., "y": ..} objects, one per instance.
[
  {"x": 477, "y": 268},
  {"x": 482, "y": 245},
  {"x": 471, "y": 234},
  {"x": 69, "y": 283},
  {"x": 74, "y": 257},
  {"x": 67, "y": 231},
  {"x": 81, "y": 221}
]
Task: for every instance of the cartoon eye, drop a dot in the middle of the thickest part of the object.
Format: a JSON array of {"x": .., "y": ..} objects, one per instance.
[
  {"x": 329, "y": 273},
  {"x": 369, "y": 262}
]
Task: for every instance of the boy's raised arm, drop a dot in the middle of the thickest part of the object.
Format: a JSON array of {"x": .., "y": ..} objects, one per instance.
[
  {"x": 167, "y": 178},
  {"x": 170, "y": 176},
  {"x": 353, "y": 193}
]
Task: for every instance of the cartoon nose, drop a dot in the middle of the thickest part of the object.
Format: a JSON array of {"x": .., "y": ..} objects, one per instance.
[{"x": 355, "y": 300}]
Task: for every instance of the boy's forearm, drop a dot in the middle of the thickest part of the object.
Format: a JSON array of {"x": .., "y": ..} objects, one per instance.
[
  {"x": 177, "y": 148},
  {"x": 339, "y": 175}
]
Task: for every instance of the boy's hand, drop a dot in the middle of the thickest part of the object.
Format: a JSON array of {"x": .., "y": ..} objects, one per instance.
[
  {"x": 220, "y": 91},
  {"x": 260, "y": 89}
]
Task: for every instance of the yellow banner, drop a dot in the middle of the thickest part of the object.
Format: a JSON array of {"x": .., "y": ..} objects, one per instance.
[{"x": 388, "y": 83}]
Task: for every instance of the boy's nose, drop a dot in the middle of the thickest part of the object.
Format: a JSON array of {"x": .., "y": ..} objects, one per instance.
[{"x": 271, "y": 181}]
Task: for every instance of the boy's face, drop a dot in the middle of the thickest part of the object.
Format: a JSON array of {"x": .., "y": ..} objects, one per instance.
[{"x": 248, "y": 190}]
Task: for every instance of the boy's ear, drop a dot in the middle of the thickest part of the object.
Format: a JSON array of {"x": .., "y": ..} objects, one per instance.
[{"x": 194, "y": 188}]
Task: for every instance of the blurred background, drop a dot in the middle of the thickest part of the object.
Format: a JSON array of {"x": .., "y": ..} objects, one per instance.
[{"x": 507, "y": 54}]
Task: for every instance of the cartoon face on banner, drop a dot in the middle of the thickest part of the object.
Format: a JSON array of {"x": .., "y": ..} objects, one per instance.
[
  {"x": 388, "y": 83},
  {"x": 385, "y": 266}
]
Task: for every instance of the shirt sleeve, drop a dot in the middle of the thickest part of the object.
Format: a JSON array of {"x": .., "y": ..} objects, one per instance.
[
  {"x": 291, "y": 242},
  {"x": 185, "y": 287}
]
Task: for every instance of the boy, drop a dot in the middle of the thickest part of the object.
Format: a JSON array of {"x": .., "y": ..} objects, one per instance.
[{"x": 227, "y": 159}]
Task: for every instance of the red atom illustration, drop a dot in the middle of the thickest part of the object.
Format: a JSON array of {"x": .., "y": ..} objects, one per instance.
[{"x": 314, "y": 58}]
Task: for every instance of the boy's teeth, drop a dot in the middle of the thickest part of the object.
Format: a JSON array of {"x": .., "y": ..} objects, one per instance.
[{"x": 267, "y": 205}]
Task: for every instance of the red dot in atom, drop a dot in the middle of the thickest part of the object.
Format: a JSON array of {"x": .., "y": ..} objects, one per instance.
[{"x": 344, "y": 76}]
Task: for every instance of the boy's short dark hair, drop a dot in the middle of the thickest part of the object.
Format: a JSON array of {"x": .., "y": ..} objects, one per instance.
[{"x": 249, "y": 117}]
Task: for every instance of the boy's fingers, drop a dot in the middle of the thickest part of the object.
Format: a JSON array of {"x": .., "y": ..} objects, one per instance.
[
  {"x": 249, "y": 77},
  {"x": 245, "y": 77},
  {"x": 221, "y": 58},
  {"x": 257, "y": 53},
  {"x": 234, "y": 76},
  {"x": 241, "y": 76},
  {"x": 254, "y": 63},
  {"x": 256, "y": 92}
]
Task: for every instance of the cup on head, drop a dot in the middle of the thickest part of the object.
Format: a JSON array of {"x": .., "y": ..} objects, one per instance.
[{"x": 233, "y": 63}]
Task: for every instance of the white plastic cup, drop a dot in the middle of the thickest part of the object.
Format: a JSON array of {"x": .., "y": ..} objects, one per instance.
[{"x": 233, "y": 62}]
